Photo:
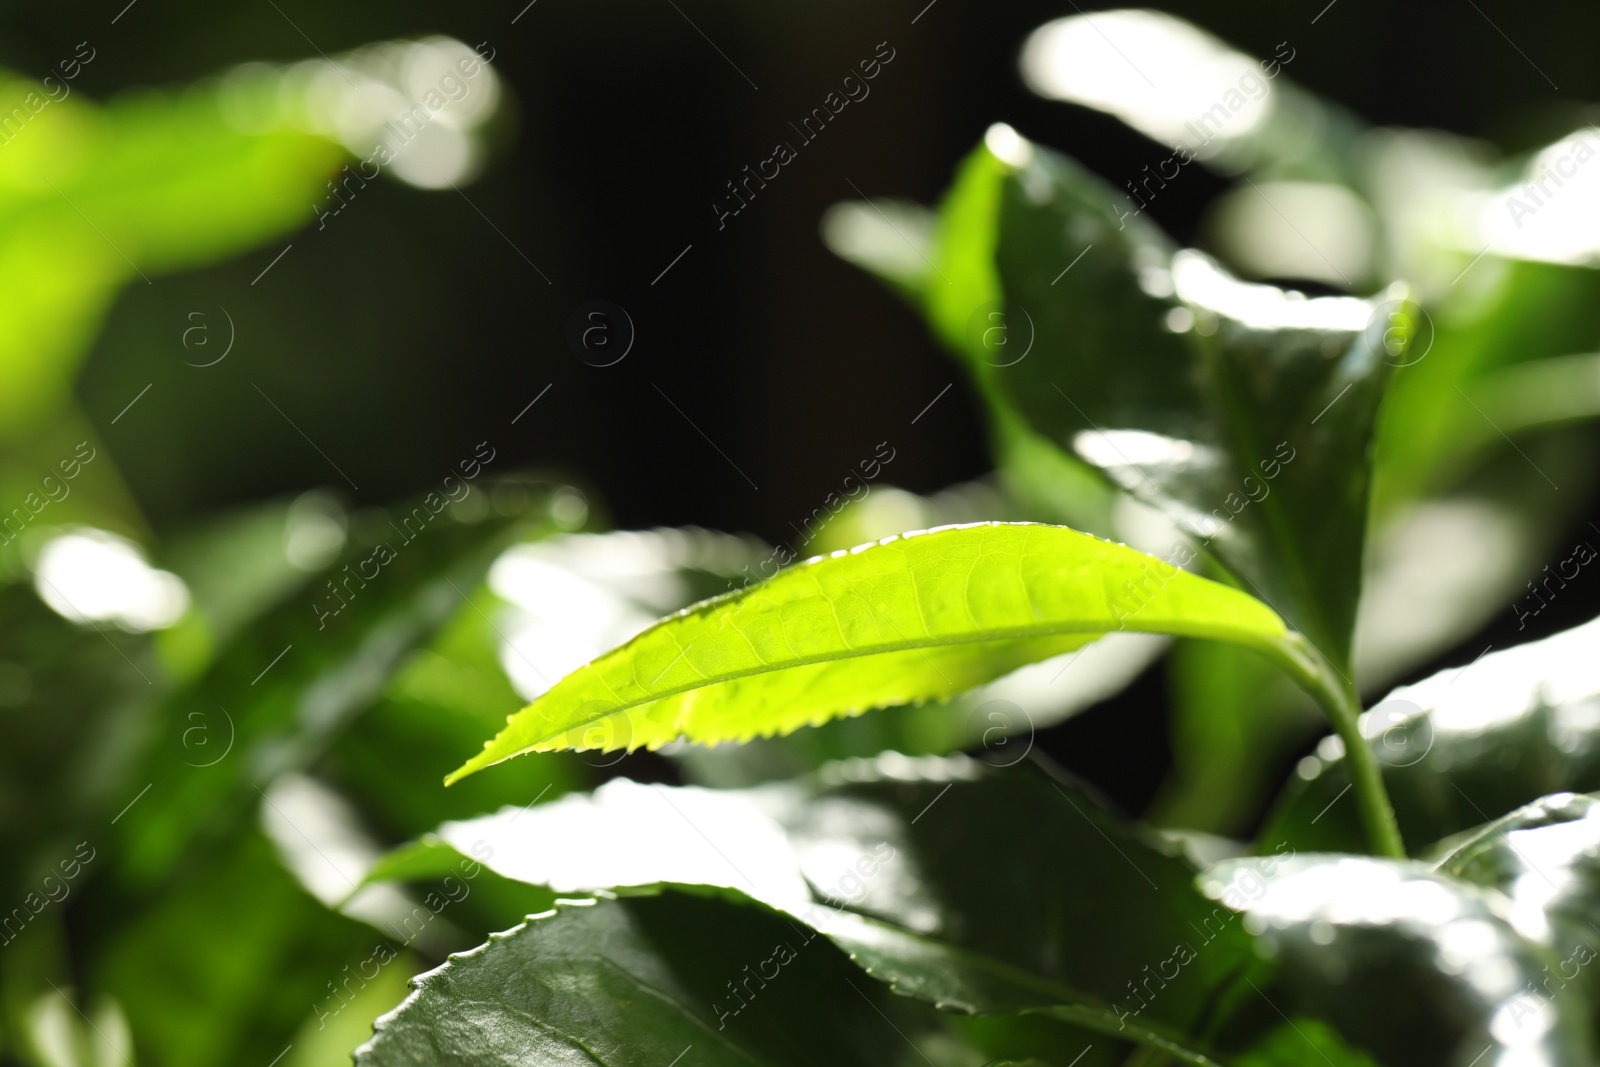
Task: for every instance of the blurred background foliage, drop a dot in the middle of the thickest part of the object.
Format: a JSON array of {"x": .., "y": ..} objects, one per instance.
[{"x": 184, "y": 652}]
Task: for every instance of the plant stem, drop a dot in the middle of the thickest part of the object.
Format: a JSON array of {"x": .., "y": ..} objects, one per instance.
[
  {"x": 1338, "y": 698},
  {"x": 1366, "y": 778}
]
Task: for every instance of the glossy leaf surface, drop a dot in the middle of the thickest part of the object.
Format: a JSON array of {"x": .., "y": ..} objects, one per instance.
[
  {"x": 1436, "y": 574},
  {"x": 637, "y": 983},
  {"x": 1546, "y": 857},
  {"x": 1243, "y": 411},
  {"x": 1409, "y": 966},
  {"x": 923, "y": 872}
]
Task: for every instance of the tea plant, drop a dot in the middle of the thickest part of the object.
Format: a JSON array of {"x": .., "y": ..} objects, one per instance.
[
  {"x": 870, "y": 864},
  {"x": 979, "y": 911}
]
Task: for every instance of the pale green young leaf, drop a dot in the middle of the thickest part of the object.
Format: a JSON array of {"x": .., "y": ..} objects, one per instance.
[{"x": 911, "y": 618}]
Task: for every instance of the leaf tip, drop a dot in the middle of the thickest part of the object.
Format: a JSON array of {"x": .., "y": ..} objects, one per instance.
[{"x": 1007, "y": 145}]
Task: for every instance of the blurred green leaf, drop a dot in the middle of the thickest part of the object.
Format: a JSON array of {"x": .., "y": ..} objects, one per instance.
[
  {"x": 1286, "y": 1047},
  {"x": 1489, "y": 370},
  {"x": 1436, "y": 573},
  {"x": 490, "y": 901},
  {"x": 228, "y": 961},
  {"x": 890, "y": 239},
  {"x": 1229, "y": 110},
  {"x": 67, "y": 696},
  {"x": 59, "y": 476},
  {"x": 327, "y": 1042},
  {"x": 920, "y": 616},
  {"x": 157, "y": 182},
  {"x": 1233, "y": 716},
  {"x": 238, "y": 564},
  {"x": 1378, "y": 949},
  {"x": 428, "y": 857},
  {"x": 296, "y": 679},
  {"x": 437, "y": 705},
  {"x": 544, "y": 604},
  {"x": 1545, "y": 856},
  {"x": 1533, "y": 395}
]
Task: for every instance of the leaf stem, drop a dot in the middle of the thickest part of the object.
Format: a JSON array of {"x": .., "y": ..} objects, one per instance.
[{"x": 1338, "y": 698}]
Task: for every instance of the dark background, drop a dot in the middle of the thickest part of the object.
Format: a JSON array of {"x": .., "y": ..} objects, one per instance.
[{"x": 409, "y": 330}]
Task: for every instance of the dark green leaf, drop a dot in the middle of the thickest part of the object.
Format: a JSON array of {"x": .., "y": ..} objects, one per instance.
[
  {"x": 1436, "y": 573},
  {"x": 444, "y": 700},
  {"x": 66, "y": 693},
  {"x": 642, "y": 981},
  {"x": 947, "y": 896},
  {"x": 1244, "y": 412},
  {"x": 241, "y": 563},
  {"x": 545, "y": 600}
]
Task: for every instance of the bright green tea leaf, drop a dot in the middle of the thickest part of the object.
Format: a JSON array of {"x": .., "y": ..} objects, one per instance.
[{"x": 911, "y": 618}]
